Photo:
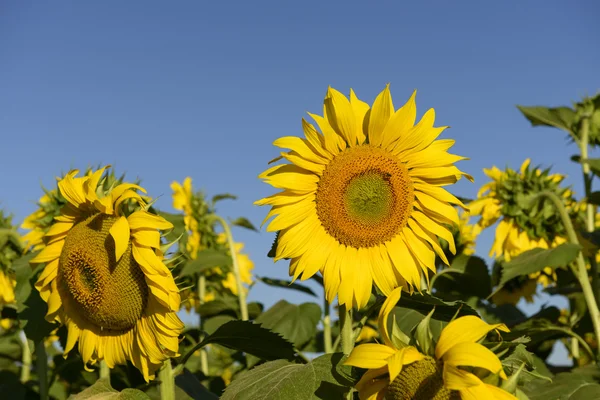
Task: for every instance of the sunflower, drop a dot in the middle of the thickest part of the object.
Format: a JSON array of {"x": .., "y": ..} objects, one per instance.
[
  {"x": 11, "y": 247},
  {"x": 182, "y": 200},
  {"x": 104, "y": 276},
  {"x": 33, "y": 222},
  {"x": 362, "y": 201},
  {"x": 400, "y": 372}
]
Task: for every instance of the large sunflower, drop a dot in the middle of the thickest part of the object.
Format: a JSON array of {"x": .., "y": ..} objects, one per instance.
[
  {"x": 400, "y": 372},
  {"x": 104, "y": 276},
  {"x": 362, "y": 201}
]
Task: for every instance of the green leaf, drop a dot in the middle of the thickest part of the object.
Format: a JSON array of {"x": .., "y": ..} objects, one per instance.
[
  {"x": 594, "y": 163},
  {"x": 324, "y": 378},
  {"x": 537, "y": 259},
  {"x": 101, "y": 390},
  {"x": 244, "y": 223},
  {"x": 192, "y": 386},
  {"x": 296, "y": 323},
  {"x": 559, "y": 117},
  {"x": 223, "y": 196},
  {"x": 516, "y": 359},
  {"x": 564, "y": 386},
  {"x": 227, "y": 305},
  {"x": 286, "y": 285},
  {"x": 467, "y": 276},
  {"x": 178, "y": 224},
  {"x": 206, "y": 259},
  {"x": 250, "y": 338},
  {"x": 444, "y": 310},
  {"x": 30, "y": 305},
  {"x": 424, "y": 336}
]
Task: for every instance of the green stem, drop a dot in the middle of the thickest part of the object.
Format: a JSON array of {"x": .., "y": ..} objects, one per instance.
[
  {"x": 590, "y": 208},
  {"x": 25, "y": 358},
  {"x": 201, "y": 295},
  {"x": 347, "y": 335},
  {"x": 580, "y": 270},
  {"x": 104, "y": 370},
  {"x": 327, "y": 327},
  {"x": 346, "y": 329},
  {"x": 41, "y": 363},
  {"x": 167, "y": 381},
  {"x": 236, "y": 269}
]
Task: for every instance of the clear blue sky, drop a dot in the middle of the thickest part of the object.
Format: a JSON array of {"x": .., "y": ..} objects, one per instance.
[{"x": 163, "y": 90}]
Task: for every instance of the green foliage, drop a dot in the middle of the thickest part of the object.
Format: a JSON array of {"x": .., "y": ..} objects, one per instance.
[
  {"x": 466, "y": 277},
  {"x": 206, "y": 259},
  {"x": 296, "y": 323},
  {"x": 323, "y": 378},
  {"x": 244, "y": 223},
  {"x": 535, "y": 260},
  {"x": 250, "y": 338},
  {"x": 286, "y": 285},
  {"x": 101, "y": 390},
  {"x": 576, "y": 385}
]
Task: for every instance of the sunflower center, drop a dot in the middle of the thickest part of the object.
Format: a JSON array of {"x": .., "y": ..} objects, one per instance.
[
  {"x": 364, "y": 197},
  {"x": 109, "y": 294},
  {"x": 421, "y": 380}
]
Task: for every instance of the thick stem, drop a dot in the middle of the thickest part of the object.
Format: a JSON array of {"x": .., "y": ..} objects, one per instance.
[
  {"x": 590, "y": 208},
  {"x": 580, "y": 270},
  {"x": 327, "y": 327},
  {"x": 236, "y": 269},
  {"x": 167, "y": 381},
  {"x": 104, "y": 370},
  {"x": 25, "y": 358},
  {"x": 346, "y": 329},
  {"x": 41, "y": 364},
  {"x": 201, "y": 295}
]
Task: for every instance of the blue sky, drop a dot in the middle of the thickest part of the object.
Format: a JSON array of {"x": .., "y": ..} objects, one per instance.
[{"x": 163, "y": 90}]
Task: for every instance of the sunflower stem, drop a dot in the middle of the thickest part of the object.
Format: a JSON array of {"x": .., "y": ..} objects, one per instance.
[
  {"x": 580, "y": 270},
  {"x": 327, "y": 326},
  {"x": 201, "y": 295},
  {"x": 41, "y": 364},
  {"x": 104, "y": 370},
  {"x": 25, "y": 358},
  {"x": 167, "y": 381},
  {"x": 347, "y": 335},
  {"x": 346, "y": 329},
  {"x": 590, "y": 208},
  {"x": 236, "y": 269}
]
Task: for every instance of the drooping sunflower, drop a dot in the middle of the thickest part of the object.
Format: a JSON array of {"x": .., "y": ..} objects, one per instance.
[
  {"x": 400, "y": 372},
  {"x": 522, "y": 225},
  {"x": 35, "y": 223},
  {"x": 104, "y": 276},
  {"x": 11, "y": 248},
  {"x": 362, "y": 201}
]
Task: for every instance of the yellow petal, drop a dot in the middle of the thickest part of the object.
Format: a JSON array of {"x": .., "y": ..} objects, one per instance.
[
  {"x": 120, "y": 233},
  {"x": 72, "y": 188},
  {"x": 400, "y": 123},
  {"x": 382, "y": 110},
  {"x": 341, "y": 115},
  {"x": 145, "y": 220},
  {"x": 49, "y": 253},
  {"x": 360, "y": 109},
  {"x": 473, "y": 355},
  {"x": 385, "y": 310},
  {"x": 467, "y": 329},
  {"x": 300, "y": 146},
  {"x": 370, "y": 355}
]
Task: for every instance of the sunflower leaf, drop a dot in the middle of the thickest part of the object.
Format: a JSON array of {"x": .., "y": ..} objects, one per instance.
[
  {"x": 206, "y": 259},
  {"x": 296, "y": 323},
  {"x": 444, "y": 310},
  {"x": 576, "y": 385},
  {"x": 250, "y": 338},
  {"x": 244, "y": 223},
  {"x": 559, "y": 117},
  {"x": 323, "y": 378},
  {"x": 223, "y": 196},
  {"x": 537, "y": 259},
  {"x": 101, "y": 390},
  {"x": 281, "y": 283}
]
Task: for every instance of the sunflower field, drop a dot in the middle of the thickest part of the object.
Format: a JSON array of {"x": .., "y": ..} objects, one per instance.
[{"x": 96, "y": 283}]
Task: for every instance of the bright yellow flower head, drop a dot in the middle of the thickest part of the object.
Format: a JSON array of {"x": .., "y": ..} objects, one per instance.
[
  {"x": 104, "y": 276},
  {"x": 400, "y": 372},
  {"x": 35, "y": 237},
  {"x": 362, "y": 200}
]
